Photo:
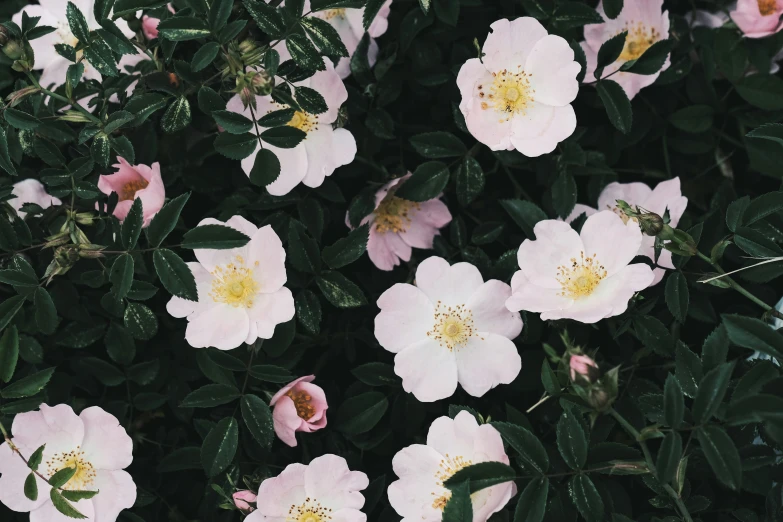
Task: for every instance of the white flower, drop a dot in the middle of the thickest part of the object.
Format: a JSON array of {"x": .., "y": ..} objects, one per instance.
[
  {"x": 518, "y": 95},
  {"x": 326, "y": 490},
  {"x": 30, "y": 191},
  {"x": 450, "y": 328},
  {"x": 241, "y": 296},
  {"x": 323, "y": 150},
  {"x": 419, "y": 494},
  {"x": 586, "y": 277},
  {"x": 54, "y": 66},
  {"x": 93, "y": 442}
]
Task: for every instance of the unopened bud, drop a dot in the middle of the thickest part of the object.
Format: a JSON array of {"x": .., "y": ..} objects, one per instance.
[
  {"x": 90, "y": 251},
  {"x": 13, "y": 49},
  {"x": 56, "y": 240},
  {"x": 248, "y": 98},
  {"x": 651, "y": 223},
  {"x": 261, "y": 83},
  {"x": 5, "y": 35},
  {"x": 16, "y": 97},
  {"x": 247, "y": 46},
  {"x": 583, "y": 368},
  {"x": 73, "y": 117},
  {"x": 84, "y": 218}
]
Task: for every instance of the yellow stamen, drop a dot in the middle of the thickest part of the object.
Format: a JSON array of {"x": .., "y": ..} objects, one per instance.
[
  {"x": 446, "y": 469},
  {"x": 304, "y": 121},
  {"x": 129, "y": 190},
  {"x": 639, "y": 39},
  {"x": 309, "y": 511},
  {"x": 767, "y": 7},
  {"x": 452, "y": 325},
  {"x": 84, "y": 477},
  {"x": 394, "y": 214},
  {"x": 234, "y": 284},
  {"x": 304, "y": 408},
  {"x": 509, "y": 94},
  {"x": 580, "y": 277}
]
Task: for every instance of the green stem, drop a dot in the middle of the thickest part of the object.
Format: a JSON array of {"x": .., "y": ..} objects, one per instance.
[
  {"x": 736, "y": 286},
  {"x": 633, "y": 432},
  {"x": 87, "y": 114}
]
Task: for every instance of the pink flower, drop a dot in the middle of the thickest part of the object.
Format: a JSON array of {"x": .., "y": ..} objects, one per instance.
[
  {"x": 452, "y": 327},
  {"x": 586, "y": 277},
  {"x": 135, "y": 181},
  {"x": 645, "y": 23},
  {"x": 243, "y": 499},
  {"x": 30, "y": 191},
  {"x": 326, "y": 489},
  {"x": 299, "y": 406},
  {"x": 92, "y": 442},
  {"x": 149, "y": 26},
  {"x": 580, "y": 365},
  {"x": 419, "y": 493},
  {"x": 518, "y": 96},
  {"x": 397, "y": 225},
  {"x": 241, "y": 296},
  {"x": 758, "y": 18}
]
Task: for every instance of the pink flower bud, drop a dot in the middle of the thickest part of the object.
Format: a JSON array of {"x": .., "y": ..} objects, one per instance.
[
  {"x": 581, "y": 365},
  {"x": 135, "y": 181},
  {"x": 243, "y": 499},
  {"x": 149, "y": 27}
]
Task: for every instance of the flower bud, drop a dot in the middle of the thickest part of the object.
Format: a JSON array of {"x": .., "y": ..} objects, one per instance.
[
  {"x": 247, "y": 46},
  {"x": 248, "y": 98},
  {"x": 243, "y": 499},
  {"x": 261, "y": 83},
  {"x": 582, "y": 367},
  {"x": 17, "y": 96},
  {"x": 13, "y": 49},
  {"x": 651, "y": 223},
  {"x": 4, "y": 35},
  {"x": 84, "y": 218}
]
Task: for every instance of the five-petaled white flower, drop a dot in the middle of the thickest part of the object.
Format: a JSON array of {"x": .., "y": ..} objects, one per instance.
[
  {"x": 519, "y": 94},
  {"x": 586, "y": 277},
  {"x": 420, "y": 496},
  {"x": 241, "y": 296},
  {"x": 452, "y": 327}
]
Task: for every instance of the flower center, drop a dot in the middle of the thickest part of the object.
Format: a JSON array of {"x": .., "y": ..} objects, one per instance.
[
  {"x": 85, "y": 473},
  {"x": 309, "y": 511},
  {"x": 304, "y": 408},
  {"x": 332, "y": 13},
  {"x": 304, "y": 121},
  {"x": 452, "y": 325},
  {"x": 767, "y": 7},
  {"x": 234, "y": 284},
  {"x": 639, "y": 39},
  {"x": 580, "y": 277},
  {"x": 446, "y": 469},
  {"x": 129, "y": 189},
  {"x": 394, "y": 214},
  {"x": 509, "y": 94}
]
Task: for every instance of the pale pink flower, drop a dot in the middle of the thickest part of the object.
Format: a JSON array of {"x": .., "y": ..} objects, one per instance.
[
  {"x": 518, "y": 96},
  {"x": 322, "y": 151},
  {"x": 92, "y": 442},
  {"x": 758, "y": 18},
  {"x": 419, "y": 494},
  {"x": 398, "y": 225},
  {"x": 666, "y": 195},
  {"x": 243, "y": 499},
  {"x": 645, "y": 23},
  {"x": 298, "y": 406},
  {"x": 586, "y": 277},
  {"x": 452, "y": 327},
  {"x": 241, "y": 296},
  {"x": 348, "y": 23},
  {"x": 326, "y": 489},
  {"x": 135, "y": 181},
  {"x": 52, "y": 13},
  {"x": 581, "y": 365},
  {"x": 31, "y": 191}
]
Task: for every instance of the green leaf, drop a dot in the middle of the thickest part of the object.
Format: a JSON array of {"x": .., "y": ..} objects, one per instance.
[
  {"x": 575, "y": 14},
  {"x": 524, "y": 213},
  {"x": 63, "y": 506},
  {"x": 124, "y": 7},
  {"x": 694, "y": 119},
  {"x": 105, "y": 372},
  {"x": 586, "y": 498},
  {"x": 219, "y": 237},
  {"x": 688, "y": 369},
  {"x": 120, "y": 344},
  {"x": 258, "y": 419},
  {"x": 438, "y": 144},
  {"x": 668, "y": 457},
  {"x": 164, "y": 221},
  {"x": 266, "y": 168},
  {"x": 27, "y": 386},
  {"x": 177, "y": 116},
  {"x": 17, "y": 278},
  {"x": 564, "y": 194},
  {"x": 48, "y": 152},
  {"x": 180, "y": 459},
  {"x": 31, "y": 487},
  {"x": 36, "y": 457},
  {"x": 609, "y": 52},
  {"x": 100, "y": 149},
  {"x": 549, "y": 379},
  {"x": 529, "y": 447},
  {"x": 77, "y": 495},
  {"x": 271, "y": 373},
  {"x": 175, "y": 274},
  {"x": 140, "y": 321},
  {"x": 9, "y": 353},
  {"x": 722, "y": 455},
  {"x": 266, "y": 16},
  {"x": 117, "y": 120},
  {"x": 617, "y": 105},
  {"x": 348, "y": 249},
  {"x": 308, "y": 311},
  {"x": 715, "y": 348},
  {"x": 324, "y": 36},
  {"x": 481, "y": 476},
  {"x": 339, "y": 290},
  {"x": 673, "y": 402},
  {"x": 232, "y": 122},
  {"x": 765, "y": 205},
  {"x": 761, "y": 407},
  {"x": 277, "y": 118},
  {"x": 376, "y": 374},
  {"x": 459, "y": 507},
  {"x": 677, "y": 295},
  {"x": 210, "y": 395},
  {"x": 219, "y": 12},
  {"x": 371, "y": 10},
  {"x": 121, "y": 276},
  {"x": 5, "y": 158},
  {"x": 652, "y": 60},
  {"x": 284, "y": 137},
  {"x": 220, "y": 446},
  {"x": 571, "y": 440},
  {"x": 756, "y": 243},
  {"x": 21, "y": 120},
  {"x": 427, "y": 182},
  {"x": 182, "y": 28},
  {"x": 304, "y": 53},
  {"x": 762, "y": 90},
  {"x": 209, "y": 100},
  {"x": 310, "y": 100},
  {"x": 613, "y": 8},
  {"x": 360, "y": 413},
  {"x": 654, "y": 334},
  {"x": 115, "y": 38},
  {"x": 754, "y": 380},
  {"x": 205, "y": 55},
  {"x": 303, "y": 251},
  {"x": 102, "y": 8},
  {"x": 131, "y": 227},
  {"x": 754, "y": 334},
  {"x": 470, "y": 181},
  {"x": 101, "y": 57},
  {"x": 531, "y": 505},
  {"x": 712, "y": 390},
  {"x": 77, "y": 23},
  {"x": 768, "y": 131}
]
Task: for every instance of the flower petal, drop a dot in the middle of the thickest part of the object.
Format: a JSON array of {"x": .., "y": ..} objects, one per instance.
[
  {"x": 329, "y": 480},
  {"x": 489, "y": 310},
  {"x": 449, "y": 284},
  {"x": 613, "y": 243},
  {"x": 553, "y": 71},
  {"x": 406, "y": 317},
  {"x": 106, "y": 445},
  {"x": 276, "y": 495},
  {"x": 222, "y": 326},
  {"x": 541, "y": 128},
  {"x": 510, "y": 43},
  {"x": 556, "y": 243},
  {"x": 428, "y": 371},
  {"x": 13, "y": 473},
  {"x": 533, "y": 298},
  {"x": 486, "y": 361},
  {"x": 117, "y": 492}
]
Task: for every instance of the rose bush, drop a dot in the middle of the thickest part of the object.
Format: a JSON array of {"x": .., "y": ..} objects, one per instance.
[{"x": 391, "y": 260}]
